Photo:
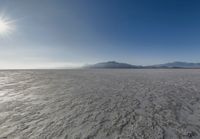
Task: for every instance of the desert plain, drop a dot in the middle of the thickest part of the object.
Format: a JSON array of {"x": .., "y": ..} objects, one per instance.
[{"x": 100, "y": 104}]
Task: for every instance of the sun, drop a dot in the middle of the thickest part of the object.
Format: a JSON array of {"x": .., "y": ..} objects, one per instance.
[{"x": 6, "y": 26}]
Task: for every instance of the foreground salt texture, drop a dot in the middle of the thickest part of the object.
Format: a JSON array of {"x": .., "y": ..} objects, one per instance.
[{"x": 100, "y": 104}]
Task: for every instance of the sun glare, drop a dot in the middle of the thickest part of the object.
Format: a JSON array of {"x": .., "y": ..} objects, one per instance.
[{"x": 5, "y": 27}]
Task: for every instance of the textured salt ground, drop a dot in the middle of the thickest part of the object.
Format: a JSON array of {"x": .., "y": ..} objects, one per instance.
[{"x": 100, "y": 104}]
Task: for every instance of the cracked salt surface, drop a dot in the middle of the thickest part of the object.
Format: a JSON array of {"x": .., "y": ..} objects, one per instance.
[{"x": 100, "y": 104}]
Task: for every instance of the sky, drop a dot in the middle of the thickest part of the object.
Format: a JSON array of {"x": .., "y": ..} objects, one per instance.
[{"x": 71, "y": 33}]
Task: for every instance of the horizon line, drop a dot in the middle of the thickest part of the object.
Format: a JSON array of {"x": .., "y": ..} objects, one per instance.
[{"x": 76, "y": 66}]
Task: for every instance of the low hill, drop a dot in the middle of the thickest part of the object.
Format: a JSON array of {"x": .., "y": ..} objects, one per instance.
[
  {"x": 178, "y": 65},
  {"x": 112, "y": 64},
  {"x": 118, "y": 65}
]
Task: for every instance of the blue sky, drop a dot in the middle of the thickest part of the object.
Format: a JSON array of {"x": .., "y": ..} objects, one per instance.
[{"x": 59, "y": 33}]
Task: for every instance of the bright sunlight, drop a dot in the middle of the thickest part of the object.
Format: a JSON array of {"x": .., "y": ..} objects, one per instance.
[{"x": 5, "y": 26}]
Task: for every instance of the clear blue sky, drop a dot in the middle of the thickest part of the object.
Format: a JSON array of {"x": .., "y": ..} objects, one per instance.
[{"x": 73, "y": 32}]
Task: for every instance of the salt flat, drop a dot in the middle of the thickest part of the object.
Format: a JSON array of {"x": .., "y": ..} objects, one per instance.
[{"x": 100, "y": 104}]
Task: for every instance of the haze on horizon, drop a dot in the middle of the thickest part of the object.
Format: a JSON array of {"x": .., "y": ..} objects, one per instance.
[{"x": 71, "y": 33}]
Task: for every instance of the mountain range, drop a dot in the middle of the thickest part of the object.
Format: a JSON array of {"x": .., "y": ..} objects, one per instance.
[{"x": 114, "y": 64}]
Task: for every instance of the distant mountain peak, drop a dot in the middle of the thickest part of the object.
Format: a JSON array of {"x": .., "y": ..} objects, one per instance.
[
  {"x": 114, "y": 64},
  {"x": 179, "y": 64},
  {"x": 111, "y": 64}
]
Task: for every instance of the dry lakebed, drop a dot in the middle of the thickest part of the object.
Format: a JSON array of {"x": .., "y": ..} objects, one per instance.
[{"x": 100, "y": 104}]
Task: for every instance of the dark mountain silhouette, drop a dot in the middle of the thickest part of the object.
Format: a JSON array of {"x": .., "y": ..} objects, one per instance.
[
  {"x": 114, "y": 64},
  {"x": 178, "y": 64}
]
